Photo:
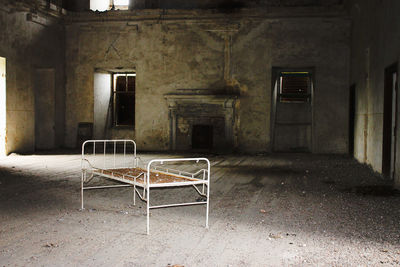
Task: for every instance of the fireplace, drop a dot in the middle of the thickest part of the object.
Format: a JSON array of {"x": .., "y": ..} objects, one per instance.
[
  {"x": 202, "y": 137},
  {"x": 201, "y": 120}
]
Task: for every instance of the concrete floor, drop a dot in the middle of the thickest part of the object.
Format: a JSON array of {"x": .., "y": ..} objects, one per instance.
[{"x": 266, "y": 210}]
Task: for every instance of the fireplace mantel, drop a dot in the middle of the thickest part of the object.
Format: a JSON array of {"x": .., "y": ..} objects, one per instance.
[
  {"x": 225, "y": 100},
  {"x": 198, "y": 105}
]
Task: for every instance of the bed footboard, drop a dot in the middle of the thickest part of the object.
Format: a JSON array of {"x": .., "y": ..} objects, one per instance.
[{"x": 204, "y": 182}]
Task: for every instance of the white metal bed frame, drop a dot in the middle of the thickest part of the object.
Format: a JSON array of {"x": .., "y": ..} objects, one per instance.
[{"x": 128, "y": 180}]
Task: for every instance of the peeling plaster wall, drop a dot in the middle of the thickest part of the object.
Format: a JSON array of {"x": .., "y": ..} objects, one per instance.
[
  {"x": 27, "y": 45},
  {"x": 229, "y": 4},
  {"x": 210, "y": 54},
  {"x": 165, "y": 59},
  {"x": 223, "y": 5},
  {"x": 375, "y": 46},
  {"x": 294, "y": 43}
]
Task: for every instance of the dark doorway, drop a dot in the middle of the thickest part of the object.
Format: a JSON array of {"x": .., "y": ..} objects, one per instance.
[
  {"x": 389, "y": 121},
  {"x": 352, "y": 114},
  {"x": 202, "y": 137}
]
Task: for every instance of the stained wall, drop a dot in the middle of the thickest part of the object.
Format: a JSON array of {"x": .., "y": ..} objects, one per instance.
[
  {"x": 375, "y": 46},
  {"x": 210, "y": 50},
  {"x": 29, "y": 44}
]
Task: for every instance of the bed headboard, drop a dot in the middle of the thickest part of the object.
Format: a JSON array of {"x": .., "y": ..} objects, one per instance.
[{"x": 106, "y": 154}]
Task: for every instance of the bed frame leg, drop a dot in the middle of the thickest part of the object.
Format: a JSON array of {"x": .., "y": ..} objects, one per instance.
[
  {"x": 208, "y": 202},
  {"x": 204, "y": 177},
  {"x": 134, "y": 195},
  {"x": 148, "y": 210},
  {"x": 82, "y": 177}
]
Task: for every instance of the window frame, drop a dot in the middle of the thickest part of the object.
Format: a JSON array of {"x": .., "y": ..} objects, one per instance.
[
  {"x": 294, "y": 97},
  {"x": 114, "y": 94}
]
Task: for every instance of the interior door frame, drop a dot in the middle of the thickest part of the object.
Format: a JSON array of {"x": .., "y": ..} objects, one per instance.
[
  {"x": 274, "y": 95},
  {"x": 390, "y": 123},
  {"x": 352, "y": 118}
]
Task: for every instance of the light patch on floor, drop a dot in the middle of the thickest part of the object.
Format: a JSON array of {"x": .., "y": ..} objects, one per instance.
[{"x": 267, "y": 210}]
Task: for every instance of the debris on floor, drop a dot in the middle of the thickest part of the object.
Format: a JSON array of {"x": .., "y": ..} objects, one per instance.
[
  {"x": 51, "y": 245},
  {"x": 275, "y": 236}
]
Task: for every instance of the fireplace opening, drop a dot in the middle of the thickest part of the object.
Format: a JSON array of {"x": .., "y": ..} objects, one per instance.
[{"x": 202, "y": 137}]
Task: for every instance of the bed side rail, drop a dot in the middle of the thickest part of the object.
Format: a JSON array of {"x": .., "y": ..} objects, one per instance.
[
  {"x": 197, "y": 160},
  {"x": 107, "y": 154}
]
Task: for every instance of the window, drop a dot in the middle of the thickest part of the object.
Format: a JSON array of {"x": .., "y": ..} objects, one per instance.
[
  {"x": 294, "y": 87},
  {"x": 104, "y": 5},
  {"x": 124, "y": 99},
  {"x": 120, "y": 4}
]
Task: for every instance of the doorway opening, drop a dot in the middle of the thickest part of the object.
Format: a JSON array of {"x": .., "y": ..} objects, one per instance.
[
  {"x": 292, "y": 110},
  {"x": 3, "y": 109},
  {"x": 352, "y": 115},
  {"x": 389, "y": 121},
  {"x": 202, "y": 137}
]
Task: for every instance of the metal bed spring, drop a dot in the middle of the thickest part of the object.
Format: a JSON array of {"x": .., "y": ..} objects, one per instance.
[{"x": 132, "y": 176}]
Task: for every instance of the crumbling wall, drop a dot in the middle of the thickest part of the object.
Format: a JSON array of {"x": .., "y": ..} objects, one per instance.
[
  {"x": 204, "y": 50},
  {"x": 29, "y": 42},
  {"x": 322, "y": 44},
  {"x": 165, "y": 58},
  {"x": 235, "y": 4}
]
